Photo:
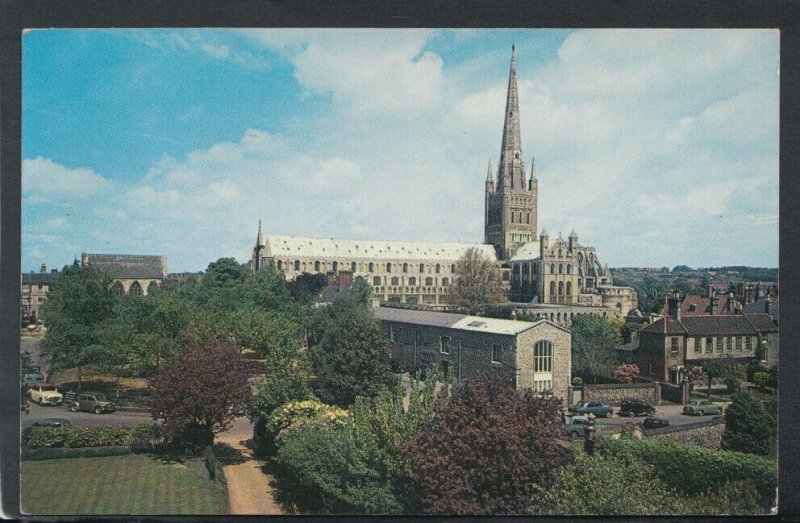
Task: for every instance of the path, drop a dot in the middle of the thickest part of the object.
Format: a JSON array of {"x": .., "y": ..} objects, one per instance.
[{"x": 249, "y": 490}]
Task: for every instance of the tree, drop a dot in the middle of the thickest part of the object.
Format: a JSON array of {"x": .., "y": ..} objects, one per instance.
[
  {"x": 748, "y": 427},
  {"x": 79, "y": 302},
  {"x": 477, "y": 283},
  {"x": 487, "y": 449},
  {"x": 195, "y": 396},
  {"x": 348, "y": 349},
  {"x": 712, "y": 370},
  {"x": 626, "y": 373},
  {"x": 593, "y": 342},
  {"x": 608, "y": 486}
]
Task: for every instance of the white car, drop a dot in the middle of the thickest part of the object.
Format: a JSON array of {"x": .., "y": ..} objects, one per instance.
[{"x": 45, "y": 394}]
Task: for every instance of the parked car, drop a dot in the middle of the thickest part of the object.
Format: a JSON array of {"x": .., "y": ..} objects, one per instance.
[
  {"x": 701, "y": 407},
  {"x": 577, "y": 426},
  {"x": 45, "y": 422},
  {"x": 92, "y": 402},
  {"x": 655, "y": 423},
  {"x": 30, "y": 379},
  {"x": 45, "y": 394},
  {"x": 636, "y": 407},
  {"x": 593, "y": 406}
]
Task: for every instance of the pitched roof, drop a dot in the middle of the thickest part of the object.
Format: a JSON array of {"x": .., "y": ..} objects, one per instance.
[
  {"x": 39, "y": 278},
  {"x": 456, "y": 321},
  {"x": 759, "y": 307},
  {"x": 714, "y": 325},
  {"x": 696, "y": 305},
  {"x": 526, "y": 251},
  {"x": 129, "y": 266},
  {"x": 346, "y": 249},
  {"x": 333, "y": 291}
]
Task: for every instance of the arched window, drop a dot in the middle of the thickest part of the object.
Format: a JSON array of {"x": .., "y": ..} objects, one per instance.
[
  {"x": 117, "y": 288},
  {"x": 371, "y": 267},
  {"x": 316, "y": 266},
  {"x": 552, "y": 288},
  {"x": 395, "y": 280},
  {"x": 135, "y": 288},
  {"x": 388, "y": 267},
  {"x": 405, "y": 267},
  {"x": 527, "y": 218},
  {"x": 335, "y": 266},
  {"x": 438, "y": 268},
  {"x": 412, "y": 280},
  {"x": 153, "y": 288},
  {"x": 561, "y": 268},
  {"x": 280, "y": 265},
  {"x": 429, "y": 281},
  {"x": 569, "y": 288},
  {"x": 543, "y": 357},
  {"x": 569, "y": 268},
  {"x": 560, "y": 288},
  {"x": 558, "y": 317},
  {"x": 559, "y": 253},
  {"x": 297, "y": 265},
  {"x": 421, "y": 267},
  {"x": 552, "y": 268},
  {"x": 512, "y": 217},
  {"x": 453, "y": 268},
  {"x": 353, "y": 266},
  {"x": 445, "y": 281}
]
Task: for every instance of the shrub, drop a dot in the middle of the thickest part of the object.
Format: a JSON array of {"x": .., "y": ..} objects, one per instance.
[
  {"x": 748, "y": 426},
  {"x": 760, "y": 379},
  {"x": 298, "y": 413},
  {"x": 608, "y": 485},
  {"x": 733, "y": 384},
  {"x": 485, "y": 451},
  {"x": 71, "y": 436},
  {"x": 626, "y": 373},
  {"x": 577, "y": 381},
  {"x": 693, "y": 470},
  {"x": 63, "y": 453}
]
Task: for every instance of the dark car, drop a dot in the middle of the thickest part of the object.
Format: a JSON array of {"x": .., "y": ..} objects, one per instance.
[
  {"x": 635, "y": 407},
  {"x": 593, "y": 407},
  {"x": 577, "y": 426},
  {"x": 45, "y": 422},
  {"x": 655, "y": 423},
  {"x": 92, "y": 402}
]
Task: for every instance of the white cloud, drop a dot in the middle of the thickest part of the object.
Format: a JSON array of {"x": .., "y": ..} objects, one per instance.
[{"x": 46, "y": 180}]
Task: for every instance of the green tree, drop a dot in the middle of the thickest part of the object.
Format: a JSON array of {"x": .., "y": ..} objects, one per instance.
[
  {"x": 348, "y": 349},
  {"x": 712, "y": 370},
  {"x": 477, "y": 284},
  {"x": 594, "y": 340},
  {"x": 748, "y": 426},
  {"x": 79, "y": 303}
]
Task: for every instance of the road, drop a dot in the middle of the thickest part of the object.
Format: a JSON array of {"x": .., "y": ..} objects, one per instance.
[
  {"x": 86, "y": 419},
  {"x": 674, "y": 413}
]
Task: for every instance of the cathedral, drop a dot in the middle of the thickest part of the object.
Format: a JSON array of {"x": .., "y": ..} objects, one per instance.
[{"x": 542, "y": 275}]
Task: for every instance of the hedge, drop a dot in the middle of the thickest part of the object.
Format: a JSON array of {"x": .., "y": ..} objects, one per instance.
[
  {"x": 62, "y": 453},
  {"x": 693, "y": 470},
  {"x": 70, "y": 436}
]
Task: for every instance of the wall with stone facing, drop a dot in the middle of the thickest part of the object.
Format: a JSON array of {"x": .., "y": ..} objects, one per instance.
[
  {"x": 706, "y": 434},
  {"x": 562, "y": 357},
  {"x": 614, "y": 393}
]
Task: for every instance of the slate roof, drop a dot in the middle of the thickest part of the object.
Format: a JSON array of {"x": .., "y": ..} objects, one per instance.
[
  {"x": 346, "y": 249},
  {"x": 130, "y": 266},
  {"x": 714, "y": 325},
  {"x": 758, "y": 307},
  {"x": 38, "y": 278},
  {"x": 527, "y": 251},
  {"x": 456, "y": 321}
]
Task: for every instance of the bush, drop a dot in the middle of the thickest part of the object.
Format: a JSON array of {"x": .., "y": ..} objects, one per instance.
[
  {"x": 760, "y": 379},
  {"x": 748, "y": 426},
  {"x": 692, "y": 470},
  {"x": 71, "y": 436},
  {"x": 63, "y": 453},
  {"x": 733, "y": 384},
  {"x": 577, "y": 381}
]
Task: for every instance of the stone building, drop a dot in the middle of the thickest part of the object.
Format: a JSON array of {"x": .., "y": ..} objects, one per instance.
[
  {"x": 535, "y": 271},
  {"x": 670, "y": 343},
  {"x": 132, "y": 273},
  {"x": 34, "y": 287},
  {"x": 532, "y": 355}
]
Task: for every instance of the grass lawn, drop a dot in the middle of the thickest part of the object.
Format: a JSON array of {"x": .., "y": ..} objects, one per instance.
[{"x": 135, "y": 484}]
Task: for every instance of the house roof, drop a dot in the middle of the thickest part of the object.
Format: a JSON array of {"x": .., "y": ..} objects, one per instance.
[
  {"x": 714, "y": 325},
  {"x": 38, "y": 278},
  {"x": 457, "y": 321},
  {"x": 346, "y": 249},
  {"x": 526, "y": 252},
  {"x": 696, "y": 305},
  {"x": 759, "y": 307},
  {"x": 333, "y": 291},
  {"x": 129, "y": 266}
]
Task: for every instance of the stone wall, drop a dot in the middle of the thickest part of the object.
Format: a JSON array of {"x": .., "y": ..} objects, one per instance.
[
  {"x": 614, "y": 393},
  {"x": 706, "y": 433},
  {"x": 562, "y": 357}
]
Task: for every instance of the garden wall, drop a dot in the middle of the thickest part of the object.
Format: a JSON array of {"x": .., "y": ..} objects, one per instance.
[
  {"x": 707, "y": 433},
  {"x": 614, "y": 393}
]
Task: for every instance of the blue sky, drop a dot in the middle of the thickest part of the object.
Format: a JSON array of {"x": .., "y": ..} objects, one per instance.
[{"x": 660, "y": 147}]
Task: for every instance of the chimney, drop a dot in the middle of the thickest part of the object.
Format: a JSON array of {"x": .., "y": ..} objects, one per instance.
[
  {"x": 709, "y": 290},
  {"x": 674, "y": 305},
  {"x": 729, "y": 305},
  {"x": 767, "y": 304},
  {"x": 54, "y": 272},
  {"x": 43, "y": 269},
  {"x": 713, "y": 300}
]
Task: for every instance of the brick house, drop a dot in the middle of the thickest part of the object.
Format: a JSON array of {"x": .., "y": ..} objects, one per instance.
[
  {"x": 670, "y": 343},
  {"x": 532, "y": 354}
]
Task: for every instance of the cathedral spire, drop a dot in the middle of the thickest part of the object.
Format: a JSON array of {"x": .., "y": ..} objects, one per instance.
[
  {"x": 260, "y": 237},
  {"x": 511, "y": 170}
]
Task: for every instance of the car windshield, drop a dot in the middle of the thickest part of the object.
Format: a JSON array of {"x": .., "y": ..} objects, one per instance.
[
  {"x": 47, "y": 387},
  {"x": 100, "y": 397}
]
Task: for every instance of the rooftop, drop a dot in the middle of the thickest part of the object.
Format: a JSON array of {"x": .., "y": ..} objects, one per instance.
[
  {"x": 129, "y": 266},
  {"x": 454, "y": 321}
]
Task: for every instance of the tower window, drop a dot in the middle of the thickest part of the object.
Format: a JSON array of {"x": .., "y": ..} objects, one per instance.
[
  {"x": 297, "y": 265},
  {"x": 371, "y": 267},
  {"x": 421, "y": 267},
  {"x": 438, "y": 268},
  {"x": 353, "y": 266},
  {"x": 405, "y": 267}
]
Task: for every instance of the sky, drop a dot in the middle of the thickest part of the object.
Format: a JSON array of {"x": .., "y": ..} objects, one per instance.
[{"x": 659, "y": 147}]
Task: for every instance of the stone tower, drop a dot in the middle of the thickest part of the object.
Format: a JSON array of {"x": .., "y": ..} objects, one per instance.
[{"x": 511, "y": 203}]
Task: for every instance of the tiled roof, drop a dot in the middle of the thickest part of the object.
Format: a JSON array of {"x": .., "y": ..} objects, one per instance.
[
  {"x": 714, "y": 325},
  {"x": 38, "y": 278},
  {"x": 129, "y": 266},
  {"x": 702, "y": 305},
  {"x": 346, "y": 249}
]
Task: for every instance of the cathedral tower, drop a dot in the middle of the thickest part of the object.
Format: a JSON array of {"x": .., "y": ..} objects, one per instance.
[{"x": 511, "y": 203}]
